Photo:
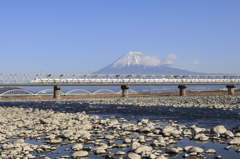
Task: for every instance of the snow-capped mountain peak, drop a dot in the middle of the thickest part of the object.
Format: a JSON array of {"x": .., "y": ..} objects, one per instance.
[
  {"x": 135, "y": 58},
  {"x": 137, "y": 63}
]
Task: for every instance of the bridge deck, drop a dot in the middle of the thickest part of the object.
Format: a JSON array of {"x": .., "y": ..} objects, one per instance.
[{"x": 114, "y": 79}]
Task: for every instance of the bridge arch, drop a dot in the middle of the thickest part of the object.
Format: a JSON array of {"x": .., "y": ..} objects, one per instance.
[
  {"x": 46, "y": 92},
  {"x": 108, "y": 91},
  {"x": 78, "y": 92},
  {"x": 16, "y": 92},
  {"x": 130, "y": 91}
]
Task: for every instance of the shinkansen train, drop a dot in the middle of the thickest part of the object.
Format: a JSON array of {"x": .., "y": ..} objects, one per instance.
[{"x": 161, "y": 80}]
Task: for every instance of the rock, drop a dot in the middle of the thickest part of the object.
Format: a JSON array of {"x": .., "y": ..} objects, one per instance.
[
  {"x": 99, "y": 151},
  {"x": 132, "y": 155},
  {"x": 135, "y": 145},
  {"x": 45, "y": 121},
  {"x": 161, "y": 157},
  {"x": 120, "y": 153},
  {"x": 55, "y": 141},
  {"x": 229, "y": 134},
  {"x": 236, "y": 129},
  {"x": 201, "y": 137},
  {"x": 145, "y": 130},
  {"x": 39, "y": 127},
  {"x": 172, "y": 150},
  {"x": 151, "y": 156},
  {"x": 210, "y": 151},
  {"x": 144, "y": 121},
  {"x": 218, "y": 129},
  {"x": 77, "y": 147},
  {"x": 67, "y": 133},
  {"x": 122, "y": 146},
  {"x": 175, "y": 132},
  {"x": 195, "y": 150},
  {"x": 238, "y": 150},
  {"x": 19, "y": 141},
  {"x": 113, "y": 122},
  {"x": 196, "y": 130},
  {"x": 143, "y": 148},
  {"x": 237, "y": 135},
  {"x": 80, "y": 154},
  {"x": 45, "y": 147},
  {"x": 179, "y": 148},
  {"x": 167, "y": 129},
  {"x": 235, "y": 141},
  {"x": 83, "y": 134},
  {"x": 127, "y": 140},
  {"x": 187, "y": 148}
]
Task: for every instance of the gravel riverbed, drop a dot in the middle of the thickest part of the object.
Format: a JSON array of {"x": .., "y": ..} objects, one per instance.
[{"x": 150, "y": 128}]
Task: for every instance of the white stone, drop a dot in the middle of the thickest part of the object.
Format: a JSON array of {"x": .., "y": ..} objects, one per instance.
[
  {"x": 235, "y": 141},
  {"x": 135, "y": 145},
  {"x": 195, "y": 149},
  {"x": 120, "y": 153},
  {"x": 167, "y": 129},
  {"x": 80, "y": 154},
  {"x": 143, "y": 148},
  {"x": 172, "y": 150},
  {"x": 218, "y": 129},
  {"x": 19, "y": 141},
  {"x": 210, "y": 151},
  {"x": 161, "y": 157},
  {"x": 132, "y": 155},
  {"x": 77, "y": 147}
]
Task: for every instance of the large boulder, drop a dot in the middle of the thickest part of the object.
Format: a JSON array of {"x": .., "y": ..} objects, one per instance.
[{"x": 218, "y": 129}]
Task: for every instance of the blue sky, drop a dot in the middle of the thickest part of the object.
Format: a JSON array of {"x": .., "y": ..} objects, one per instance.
[{"x": 81, "y": 36}]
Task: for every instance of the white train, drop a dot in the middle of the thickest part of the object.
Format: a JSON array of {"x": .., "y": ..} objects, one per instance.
[{"x": 162, "y": 80}]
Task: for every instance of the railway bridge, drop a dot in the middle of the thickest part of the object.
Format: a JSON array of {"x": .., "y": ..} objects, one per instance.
[{"x": 122, "y": 80}]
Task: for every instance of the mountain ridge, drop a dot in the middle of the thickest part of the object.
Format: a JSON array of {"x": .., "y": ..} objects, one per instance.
[{"x": 137, "y": 63}]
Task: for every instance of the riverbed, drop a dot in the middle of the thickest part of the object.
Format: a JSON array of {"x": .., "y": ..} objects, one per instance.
[{"x": 161, "y": 116}]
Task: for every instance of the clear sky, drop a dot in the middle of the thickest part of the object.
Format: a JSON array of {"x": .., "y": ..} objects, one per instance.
[{"x": 81, "y": 36}]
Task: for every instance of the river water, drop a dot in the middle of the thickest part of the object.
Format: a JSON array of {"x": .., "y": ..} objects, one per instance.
[{"x": 201, "y": 117}]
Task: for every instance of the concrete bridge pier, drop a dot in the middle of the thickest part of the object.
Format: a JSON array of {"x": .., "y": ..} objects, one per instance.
[
  {"x": 182, "y": 90},
  {"x": 124, "y": 90},
  {"x": 231, "y": 89},
  {"x": 57, "y": 92}
]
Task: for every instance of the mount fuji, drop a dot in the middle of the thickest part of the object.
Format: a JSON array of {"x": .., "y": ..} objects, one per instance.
[{"x": 137, "y": 63}]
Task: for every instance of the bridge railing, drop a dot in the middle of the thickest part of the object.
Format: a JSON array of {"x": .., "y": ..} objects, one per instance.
[{"x": 113, "y": 79}]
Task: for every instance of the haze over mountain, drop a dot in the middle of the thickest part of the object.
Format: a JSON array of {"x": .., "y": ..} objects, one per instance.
[{"x": 137, "y": 63}]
